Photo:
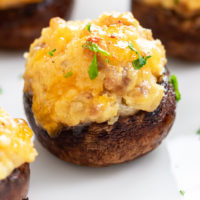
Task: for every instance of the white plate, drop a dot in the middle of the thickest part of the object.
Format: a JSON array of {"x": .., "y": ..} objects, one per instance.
[{"x": 160, "y": 175}]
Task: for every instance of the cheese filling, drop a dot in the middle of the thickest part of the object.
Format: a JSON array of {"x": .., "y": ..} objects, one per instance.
[
  {"x": 118, "y": 90},
  {"x": 16, "y": 147},
  {"x": 184, "y": 7},
  {"x": 5, "y": 4}
]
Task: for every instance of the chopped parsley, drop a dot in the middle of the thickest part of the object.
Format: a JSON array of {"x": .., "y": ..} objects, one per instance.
[
  {"x": 130, "y": 45},
  {"x": 182, "y": 192},
  {"x": 108, "y": 61},
  {"x": 51, "y": 52},
  {"x": 1, "y": 90},
  {"x": 95, "y": 48},
  {"x": 93, "y": 69},
  {"x": 68, "y": 74},
  {"x": 20, "y": 76},
  {"x": 174, "y": 82},
  {"x": 198, "y": 131},
  {"x": 88, "y": 27},
  {"x": 141, "y": 61},
  {"x": 176, "y": 2}
]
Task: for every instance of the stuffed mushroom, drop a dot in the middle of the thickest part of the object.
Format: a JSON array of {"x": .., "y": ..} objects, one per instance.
[
  {"x": 17, "y": 151},
  {"x": 175, "y": 22},
  {"x": 21, "y": 21},
  {"x": 97, "y": 92}
]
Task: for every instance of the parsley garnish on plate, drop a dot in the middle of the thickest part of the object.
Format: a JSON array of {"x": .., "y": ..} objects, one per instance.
[
  {"x": 88, "y": 27},
  {"x": 20, "y": 76},
  {"x": 1, "y": 90},
  {"x": 174, "y": 82},
  {"x": 141, "y": 61},
  {"x": 182, "y": 192},
  {"x": 68, "y": 74},
  {"x": 51, "y": 52},
  {"x": 93, "y": 70},
  {"x": 198, "y": 131}
]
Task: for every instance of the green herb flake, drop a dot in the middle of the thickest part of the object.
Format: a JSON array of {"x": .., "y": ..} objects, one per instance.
[
  {"x": 130, "y": 45},
  {"x": 108, "y": 61},
  {"x": 93, "y": 70},
  {"x": 1, "y": 90},
  {"x": 68, "y": 74},
  {"x": 174, "y": 82},
  {"x": 141, "y": 61},
  {"x": 51, "y": 52},
  {"x": 198, "y": 131},
  {"x": 182, "y": 192},
  {"x": 20, "y": 76},
  {"x": 88, "y": 27},
  {"x": 95, "y": 48},
  {"x": 176, "y": 2}
]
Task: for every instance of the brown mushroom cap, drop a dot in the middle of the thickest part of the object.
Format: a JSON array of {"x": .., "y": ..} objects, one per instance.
[
  {"x": 15, "y": 186},
  {"x": 20, "y": 26},
  {"x": 180, "y": 35},
  {"x": 99, "y": 145}
]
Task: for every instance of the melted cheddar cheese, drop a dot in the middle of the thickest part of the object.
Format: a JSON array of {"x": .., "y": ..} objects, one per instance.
[
  {"x": 184, "y": 7},
  {"x": 16, "y": 147},
  {"x": 118, "y": 90},
  {"x": 5, "y": 4}
]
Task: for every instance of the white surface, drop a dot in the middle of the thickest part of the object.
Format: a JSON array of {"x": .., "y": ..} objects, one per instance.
[{"x": 160, "y": 175}]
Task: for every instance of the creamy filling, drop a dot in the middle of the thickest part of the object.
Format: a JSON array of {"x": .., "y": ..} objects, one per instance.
[
  {"x": 16, "y": 147},
  {"x": 58, "y": 64}
]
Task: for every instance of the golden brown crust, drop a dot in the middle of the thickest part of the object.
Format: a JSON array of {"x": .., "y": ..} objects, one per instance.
[
  {"x": 20, "y": 26},
  {"x": 15, "y": 186},
  {"x": 99, "y": 145},
  {"x": 180, "y": 35}
]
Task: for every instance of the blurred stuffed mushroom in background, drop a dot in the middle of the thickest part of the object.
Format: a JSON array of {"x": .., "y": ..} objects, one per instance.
[
  {"x": 102, "y": 94},
  {"x": 21, "y": 21},
  {"x": 16, "y": 152},
  {"x": 175, "y": 22}
]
